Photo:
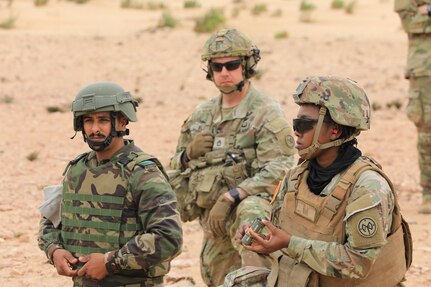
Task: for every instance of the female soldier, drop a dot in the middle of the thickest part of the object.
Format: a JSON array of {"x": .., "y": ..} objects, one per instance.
[{"x": 335, "y": 219}]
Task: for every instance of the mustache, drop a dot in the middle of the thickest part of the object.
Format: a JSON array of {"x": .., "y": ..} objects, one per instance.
[{"x": 98, "y": 135}]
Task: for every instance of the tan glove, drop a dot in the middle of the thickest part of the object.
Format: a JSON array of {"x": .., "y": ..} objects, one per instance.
[
  {"x": 218, "y": 215},
  {"x": 200, "y": 145}
]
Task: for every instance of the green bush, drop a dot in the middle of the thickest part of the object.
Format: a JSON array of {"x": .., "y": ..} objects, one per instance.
[
  {"x": 281, "y": 35},
  {"x": 212, "y": 20},
  {"x": 258, "y": 9},
  {"x": 306, "y": 6},
  {"x": 277, "y": 13},
  {"x": 9, "y": 22},
  {"x": 6, "y": 99},
  {"x": 337, "y": 4},
  {"x": 40, "y": 2},
  {"x": 350, "y": 7},
  {"x": 191, "y": 4},
  {"x": 167, "y": 20}
]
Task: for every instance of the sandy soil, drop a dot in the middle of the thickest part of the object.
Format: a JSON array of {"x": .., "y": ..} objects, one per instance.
[{"x": 55, "y": 50}]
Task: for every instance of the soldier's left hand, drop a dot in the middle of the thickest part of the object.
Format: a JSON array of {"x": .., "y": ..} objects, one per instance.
[
  {"x": 218, "y": 215},
  {"x": 277, "y": 239},
  {"x": 94, "y": 267}
]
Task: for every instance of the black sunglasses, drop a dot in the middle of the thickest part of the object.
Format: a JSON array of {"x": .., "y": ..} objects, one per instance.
[
  {"x": 302, "y": 125},
  {"x": 230, "y": 66}
]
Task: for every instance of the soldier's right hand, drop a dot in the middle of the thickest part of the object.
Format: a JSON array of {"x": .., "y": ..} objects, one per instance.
[
  {"x": 200, "y": 145},
  {"x": 63, "y": 261}
]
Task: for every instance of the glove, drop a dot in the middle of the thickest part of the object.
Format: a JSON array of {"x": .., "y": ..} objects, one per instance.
[
  {"x": 218, "y": 215},
  {"x": 200, "y": 145}
]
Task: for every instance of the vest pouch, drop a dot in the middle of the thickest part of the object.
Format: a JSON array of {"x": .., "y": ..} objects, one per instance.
[
  {"x": 208, "y": 184},
  {"x": 186, "y": 199},
  {"x": 249, "y": 276},
  {"x": 295, "y": 274},
  {"x": 235, "y": 174}
]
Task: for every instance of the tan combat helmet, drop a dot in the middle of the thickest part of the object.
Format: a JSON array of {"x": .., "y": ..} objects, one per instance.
[
  {"x": 231, "y": 43},
  {"x": 346, "y": 102}
]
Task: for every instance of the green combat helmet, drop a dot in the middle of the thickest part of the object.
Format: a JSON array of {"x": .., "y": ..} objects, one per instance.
[
  {"x": 231, "y": 43},
  {"x": 103, "y": 97},
  {"x": 346, "y": 102}
]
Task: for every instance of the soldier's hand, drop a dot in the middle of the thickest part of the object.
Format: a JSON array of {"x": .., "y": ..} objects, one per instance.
[
  {"x": 218, "y": 215},
  {"x": 200, "y": 145},
  {"x": 63, "y": 261},
  {"x": 94, "y": 267},
  {"x": 277, "y": 239}
]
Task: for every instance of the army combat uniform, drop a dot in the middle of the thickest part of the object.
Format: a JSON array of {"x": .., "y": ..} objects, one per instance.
[
  {"x": 418, "y": 71},
  {"x": 123, "y": 204},
  {"x": 349, "y": 235},
  {"x": 253, "y": 147}
]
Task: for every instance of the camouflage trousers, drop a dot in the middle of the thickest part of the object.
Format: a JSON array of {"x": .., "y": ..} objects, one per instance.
[
  {"x": 84, "y": 282},
  {"x": 419, "y": 112},
  {"x": 221, "y": 255}
]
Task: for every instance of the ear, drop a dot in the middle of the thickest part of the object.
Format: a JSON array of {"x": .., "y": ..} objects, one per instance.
[
  {"x": 122, "y": 122},
  {"x": 336, "y": 132}
]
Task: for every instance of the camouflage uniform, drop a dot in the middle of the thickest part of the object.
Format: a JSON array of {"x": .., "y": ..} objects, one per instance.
[
  {"x": 122, "y": 207},
  {"x": 351, "y": 233},
  {"x": 344, "y": 257},
  {"x": 257, "y": 129},
  {"x": 418, "y": 71},
  {"x": 149, "y": 203}
]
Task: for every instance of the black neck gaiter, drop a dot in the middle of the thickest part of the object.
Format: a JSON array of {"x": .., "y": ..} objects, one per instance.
[{"x": 319, "y": 177}]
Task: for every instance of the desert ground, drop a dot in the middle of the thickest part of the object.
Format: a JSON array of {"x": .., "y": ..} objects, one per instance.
[{"x": 54, "y": 50}]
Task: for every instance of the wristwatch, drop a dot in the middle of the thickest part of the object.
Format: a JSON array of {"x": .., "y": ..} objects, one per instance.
[{"x": 235, "y": 194}]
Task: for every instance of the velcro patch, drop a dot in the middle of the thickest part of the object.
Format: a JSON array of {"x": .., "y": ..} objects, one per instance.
[{"x": 364, "y": 223}]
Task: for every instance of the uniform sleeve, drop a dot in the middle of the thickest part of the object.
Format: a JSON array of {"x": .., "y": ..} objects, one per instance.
[
  {"x": 48, "y": 234},
  {"x": 161, "y": 239},
  {"x": 183, "y": 142},
  {"x": 274, "y": 154},
  {"x": 368, "y": 221},
  {"x": 411, "y": 20}
]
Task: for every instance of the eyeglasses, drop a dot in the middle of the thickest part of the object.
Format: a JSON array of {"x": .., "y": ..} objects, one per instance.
[
  {"x": 230, "y": 66},
  {"x": 302, "y": 125}
]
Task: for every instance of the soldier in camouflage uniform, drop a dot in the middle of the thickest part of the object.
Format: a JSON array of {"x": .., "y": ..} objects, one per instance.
[
  {"x": 335, "y": 219},
  {"x": 232, "y": 152},
  {"x": 416, "y": 21},
  {"x": 119, "y": 223}
]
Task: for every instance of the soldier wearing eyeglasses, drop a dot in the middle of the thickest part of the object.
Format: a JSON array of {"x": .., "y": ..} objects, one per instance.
[
  {"x": 335, "y": 219},
  {"x": 232, "y": 152}
]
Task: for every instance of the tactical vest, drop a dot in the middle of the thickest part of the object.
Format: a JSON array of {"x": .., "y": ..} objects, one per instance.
[
  {"x": 94, "y": 215},
  {"x": 314, "y": 217},
  {"x": 227, "y": 165}
]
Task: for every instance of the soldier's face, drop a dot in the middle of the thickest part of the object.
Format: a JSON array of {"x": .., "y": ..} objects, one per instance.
[
  {"x": 230, "y": 73},
  {"x": 97, "y": 126},
  {"x": 305, "y": 127}
]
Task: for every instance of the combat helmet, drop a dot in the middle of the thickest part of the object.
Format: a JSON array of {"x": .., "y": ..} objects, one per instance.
[
  {"x": 231, "y": 43},
  {"x": 346, "y": 102},
  {"x": 103, "y": 97}
]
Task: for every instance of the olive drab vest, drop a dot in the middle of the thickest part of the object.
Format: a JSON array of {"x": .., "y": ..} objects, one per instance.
[
  {"x": 94, "y": 215},
  {"x": 321, "y": 218}
]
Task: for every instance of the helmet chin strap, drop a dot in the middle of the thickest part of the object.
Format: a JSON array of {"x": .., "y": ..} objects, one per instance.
[
  {"x": 101, "y": 146},
  {"x": 308, "y": 152},
  {"x": 230, "y": 89}
]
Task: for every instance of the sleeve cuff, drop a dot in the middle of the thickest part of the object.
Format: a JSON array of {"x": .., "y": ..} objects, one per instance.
[
  {"x": 111, "y": 266},
  {"x": 296, "y": 247}
]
